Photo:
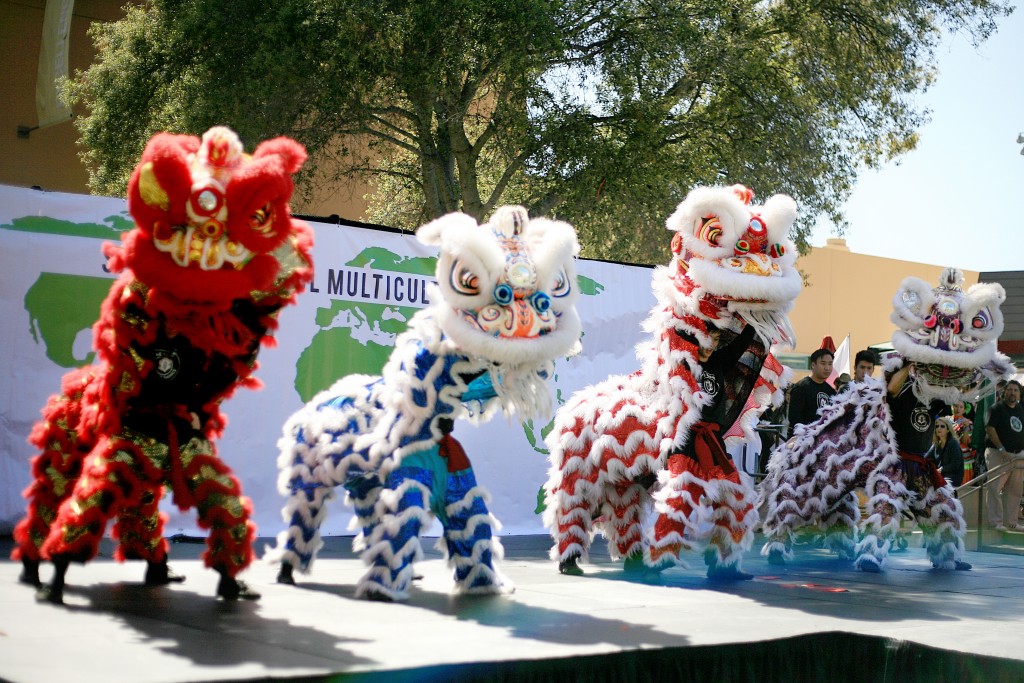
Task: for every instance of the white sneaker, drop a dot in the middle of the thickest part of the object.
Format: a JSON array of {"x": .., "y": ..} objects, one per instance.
[{"x": 1000, "y": 527}]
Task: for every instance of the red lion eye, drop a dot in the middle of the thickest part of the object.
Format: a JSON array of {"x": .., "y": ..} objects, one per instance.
[{"x": 930, "y": 322}]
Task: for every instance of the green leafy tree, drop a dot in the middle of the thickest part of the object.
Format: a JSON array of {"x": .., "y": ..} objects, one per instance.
[{"x": 602, "y": 112}]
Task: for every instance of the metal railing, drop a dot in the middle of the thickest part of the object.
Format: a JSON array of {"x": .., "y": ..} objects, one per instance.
[{"x": 973, "y": 495}]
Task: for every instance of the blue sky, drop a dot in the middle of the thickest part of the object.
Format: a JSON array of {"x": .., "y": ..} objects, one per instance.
[{"x": 958, "y": 199}]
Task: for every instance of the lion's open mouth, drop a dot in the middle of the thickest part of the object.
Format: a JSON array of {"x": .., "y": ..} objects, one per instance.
[
  {"x": 204, "y": 247},
  {"x": 945, "y": 375}
]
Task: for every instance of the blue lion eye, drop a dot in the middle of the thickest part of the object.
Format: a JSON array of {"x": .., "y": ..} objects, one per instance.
[
  {"x": 503, "y": 294},
  {"x": 541, "y": 302}
]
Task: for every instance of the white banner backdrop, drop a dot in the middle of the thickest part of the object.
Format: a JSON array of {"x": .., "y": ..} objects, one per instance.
[{"x": 367, "y": 284}]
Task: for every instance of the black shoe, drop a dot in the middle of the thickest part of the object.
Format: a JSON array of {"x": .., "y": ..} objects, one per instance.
[
  {"x": 377, "y": 596},
  {"x": 869, "y": 565},
  {"x": 962, "y": 566},
  {"x": 569, "y": 567},
  {"x": 160, "y": 574},
  {"x": 776, "y": 558},
  {"x": 50, "y": 593},
  {"x": 232, "y": 589},
  {"x": 634, "y": 564},
  {"x": 730, "y": 573},
  {"x": 30, "y": 573},
  {"x": 286, "y": 574}
]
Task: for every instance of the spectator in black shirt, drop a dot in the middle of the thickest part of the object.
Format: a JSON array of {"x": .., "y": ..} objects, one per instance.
[
  {"x": 812, "y": 392},
  {"x": 1005, "y": 431}
]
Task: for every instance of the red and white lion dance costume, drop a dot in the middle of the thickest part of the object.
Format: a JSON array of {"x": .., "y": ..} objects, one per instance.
[
  {"x": 213, "y": 257},
  {"x": 637, "y": 441}
]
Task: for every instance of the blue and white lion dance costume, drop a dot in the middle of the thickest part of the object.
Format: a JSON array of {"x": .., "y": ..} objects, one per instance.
[{"x": 501, "y": 313}]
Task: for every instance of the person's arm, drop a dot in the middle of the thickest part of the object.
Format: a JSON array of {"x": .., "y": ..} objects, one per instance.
[
  {"x": 898, "y": 379},
  {"x": 993, "y": 438},
  {"x": 731, "y": 354}
]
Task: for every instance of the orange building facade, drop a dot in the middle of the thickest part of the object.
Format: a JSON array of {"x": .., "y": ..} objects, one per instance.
[{"x": 851, "y": 294}]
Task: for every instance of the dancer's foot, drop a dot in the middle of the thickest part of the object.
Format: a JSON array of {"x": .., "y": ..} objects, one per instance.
[
  {"x": 377, "y": 596},
  {"x": 286, "y": 574},
  {"x": 634, "y": 564},
  {"x": 958, "y": 565},
  {"x": 869, "y": 565},
  {"x": 160, "y": 574},
  {"x": 730, "y": 572},
  {"x": 776, "y": 558},
  {"x": 570, "y": 567},
  {"x": 724, "y": 572},
  {"x": 30, "y": 573},
  {"x": 50, "y": 593},
  {"x": 232, "y": 589},
  {"x": 54, "y": 592}
]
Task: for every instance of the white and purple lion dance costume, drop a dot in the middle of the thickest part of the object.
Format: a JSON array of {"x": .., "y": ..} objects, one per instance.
[
  {"x": 612, "y": 445},
  {"x": 948, "y": 337},
  {"x": 501, "y": 313}
]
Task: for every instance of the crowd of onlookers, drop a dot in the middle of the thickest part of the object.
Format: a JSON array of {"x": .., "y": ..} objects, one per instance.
[{"x": 968, "y": 439}]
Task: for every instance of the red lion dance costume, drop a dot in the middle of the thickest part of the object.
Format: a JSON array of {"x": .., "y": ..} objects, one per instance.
[
  {"x": 655, "y": 439},
  {"x": 213, "y": 257}
]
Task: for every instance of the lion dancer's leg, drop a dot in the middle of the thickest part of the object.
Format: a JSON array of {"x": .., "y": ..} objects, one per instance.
[
  {"x": 572, "y": 501},
  {"x": 886, "y": 499},
  {"x": 116, "y": 475},
  {"x": 54, "y": 471},
  {"x": 798, "y": 494},
  {"x": 942, "y": 521},
  {"x": 733, "y": 516},
  {"x": 676, "y": 503},
  {"x": 393, "y": 544},
  {"x": 221, "y": 508},
  {"x": 940, "y": 516},
  {"x": 842, "y": 519},
  {"x": 625, "y": 507},
  {"x": 840, "y": 525},
  {"x": 303, "y": 513},
  {"x": 139, "y": 530},
  {"x": 311, "y": 467},
  {"x": 471, "y": 546},
  {"x": 469, "y": 542}
]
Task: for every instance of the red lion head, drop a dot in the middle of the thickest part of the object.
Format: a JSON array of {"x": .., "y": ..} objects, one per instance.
[{"x": 208, "y": 216}]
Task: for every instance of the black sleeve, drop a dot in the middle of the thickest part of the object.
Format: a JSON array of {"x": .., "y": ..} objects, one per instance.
[{"x": 730, "y": 354}]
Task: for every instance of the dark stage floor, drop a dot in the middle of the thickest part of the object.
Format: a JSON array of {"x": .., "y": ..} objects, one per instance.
[{"x": 817, "y": 619}]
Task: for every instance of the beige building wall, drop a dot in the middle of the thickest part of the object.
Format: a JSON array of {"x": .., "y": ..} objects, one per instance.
[
  {"x": 48, "y": 157},
  {"x": 848, "y": 293}
]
